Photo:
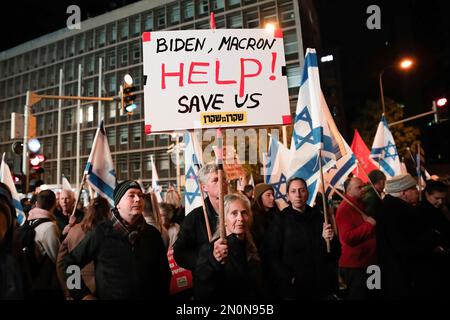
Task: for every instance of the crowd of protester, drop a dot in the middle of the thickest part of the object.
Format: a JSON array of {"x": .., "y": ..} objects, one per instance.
[{"x": 261, "y": 253}]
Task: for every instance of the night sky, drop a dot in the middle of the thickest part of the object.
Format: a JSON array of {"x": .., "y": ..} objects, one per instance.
[{"x": 408, "y": 27}]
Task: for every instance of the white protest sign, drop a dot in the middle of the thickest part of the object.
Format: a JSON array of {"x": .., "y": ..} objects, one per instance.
[{"x": 214, "y": 78}]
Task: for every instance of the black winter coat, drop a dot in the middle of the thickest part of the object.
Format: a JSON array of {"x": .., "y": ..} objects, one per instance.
[
  {"x": 403, "y": 244},
  {"x": 193, "y": 236},
  {"x": 240, "y": 278},
  {"x": 123, "y": 271},
  {"x": 297, "y": 257}
]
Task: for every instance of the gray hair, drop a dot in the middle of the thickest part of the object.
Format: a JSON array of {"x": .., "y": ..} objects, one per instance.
[{"x": 206, "y": 170}]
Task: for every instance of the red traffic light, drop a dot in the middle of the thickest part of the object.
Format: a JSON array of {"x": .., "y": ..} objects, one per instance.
[
  {"x": 36, "y": 160},
  {"x": 441, "y": 102}
]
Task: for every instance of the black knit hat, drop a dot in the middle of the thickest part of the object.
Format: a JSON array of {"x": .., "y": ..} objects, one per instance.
[{"x": 122, "y": 188}]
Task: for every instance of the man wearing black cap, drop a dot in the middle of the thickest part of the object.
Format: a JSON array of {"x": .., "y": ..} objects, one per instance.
[{"x": 129, "y": 256}]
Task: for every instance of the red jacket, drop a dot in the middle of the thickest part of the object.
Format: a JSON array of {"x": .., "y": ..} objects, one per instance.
[{"x": 356, "y": 235}]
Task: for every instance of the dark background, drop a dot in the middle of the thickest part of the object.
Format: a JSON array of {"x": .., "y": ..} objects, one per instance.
[{"x": 420, "y": 29}]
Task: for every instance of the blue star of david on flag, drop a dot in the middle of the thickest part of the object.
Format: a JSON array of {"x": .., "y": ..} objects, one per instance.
[
  {"x": 277, "y": 187},
  {"x": 190, "y": 196}
]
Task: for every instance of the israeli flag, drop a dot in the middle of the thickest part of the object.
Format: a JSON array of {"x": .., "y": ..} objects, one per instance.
[
  {"x": 384, "y": 151},
  {"x": 314, "y": 130},
  {"x": 6, "y": 178},
  {"x": 277, "y": 170},
  {"x": 99, "y": 171},
  {"x": 337, "y": 174},
  {"x": 192, "y": 164}
]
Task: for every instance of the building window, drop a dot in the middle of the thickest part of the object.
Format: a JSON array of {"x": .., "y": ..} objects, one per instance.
[
  {"x": 124, "y": 56},
  {"x": 123, "y": 135},
  {"x": 235, "y": 21},
  {"x": 113, "y": 34},
  {"x": 111, "y": 58},
  {"x": 252, "y": 19},
  {"x": 203, "y": 7},
  {"x": 148, "y": 22},
  {"x": 233, "y": 3},
  {"x": 90, "y": 113},
  {"x": 188, "y": 9},
  {"x": 217, "y": 4},
  {"x": 290, "y": 42},
  {"x": 111, "y": 133},
  {"x": 88, "y": 138},
  {"x": 80, "y": 43},
  {"x": 123, "y": 27},
  {"x": 90, "y": 87},
  {"x": 112, "y": 84},
  {"x": 101, "y": 37},
  {"x": 136, "y": 26},
  {"x": 112, "y": 109},
  {"x": 136, "y": 133},
  {"x": 174, "y": 14},
  {"x": 70, "y": 47},
  {"x": 287, "y": 15},
  {"x": 161, "y": 18},
  {"x": 136, "y": 166},
  {"x": 90, "y": 64},
  {"x": 293, "y": 75}
]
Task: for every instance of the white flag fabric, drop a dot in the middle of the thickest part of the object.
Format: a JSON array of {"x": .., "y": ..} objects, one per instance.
[
  {"x": 155, "y": 186},
  {"x": 100, "y": 168},
  {"x": 337, "y": 174},
  {"x": 384, "y": 151},
  {"x": 252, "y": 181},
  {"x": 314, "y": 130},
  {"x": 277, "y": 170},
  {"x": 6, "y": 178},
  {"x": 192, "y": 164},
  {"x": 66, "y": 184}
]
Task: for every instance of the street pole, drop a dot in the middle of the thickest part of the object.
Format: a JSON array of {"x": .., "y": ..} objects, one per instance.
[
  {"x": 178, "y": 165},
  {"x": 412, "y": 118},
  {"x": 100, "y": 86},
  {"x": 381, "y": 90},
  {"x": 78, "y": 129},
  {"x": 25, "y": 167},
  {"x": 58, "y": 153}
]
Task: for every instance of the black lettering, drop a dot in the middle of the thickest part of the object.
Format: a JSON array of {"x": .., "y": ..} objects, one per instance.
[
  {"x": 195, "y": 103},
  {"x": 260, "y": 43},
  {"x": 254, "y": 100},
  {"x": 251, "y": 43},
  {"x": 225, "y": 41},
  {"x": 270, "y": 45},
  {"x": 161, "y": 42},
  {"x": 207, "y": 103},
  {"x": 180, "y": 102},
  {"x": 189, "y": 45},
  {"x": 239, "y": 104},
  {"x": 241, "y": 45},
  {"x": 216, "y": 101},
  {"x": 200, "y": 44}
]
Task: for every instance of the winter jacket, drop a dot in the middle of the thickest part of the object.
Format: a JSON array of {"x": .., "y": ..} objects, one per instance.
[
  {"x": 193, "y": 235},
  {"x": 123, "y": 270},
  {"x": 357, "y": 236},
  {"x": 297, "y": 256},
  {"x": 240, "y": 278}
]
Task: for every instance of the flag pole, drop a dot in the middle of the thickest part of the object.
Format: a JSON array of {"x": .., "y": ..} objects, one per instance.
[
  {"x": 200, "y": 186},
  {"x": 208, "y": 226},
  {"x": 219, "y": 155},
  {"x": 83, "y": 180},
  {"x": 349, "y": 202},
  {"x": 325, "y": 214},
  {"x": 370, "y": 181}
]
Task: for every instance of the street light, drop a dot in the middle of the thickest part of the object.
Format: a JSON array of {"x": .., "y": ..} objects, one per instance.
[{"x": 405, "y": 64}]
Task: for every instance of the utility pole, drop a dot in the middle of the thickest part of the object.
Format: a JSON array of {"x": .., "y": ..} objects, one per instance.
[{"x": 31, "y": 99}]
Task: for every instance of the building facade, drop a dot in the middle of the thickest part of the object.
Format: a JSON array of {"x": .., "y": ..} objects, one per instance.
[{"x": 115, "y": 37}]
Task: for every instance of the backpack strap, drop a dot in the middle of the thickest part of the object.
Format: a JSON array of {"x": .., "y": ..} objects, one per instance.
[{"x": 35, "y": 222}]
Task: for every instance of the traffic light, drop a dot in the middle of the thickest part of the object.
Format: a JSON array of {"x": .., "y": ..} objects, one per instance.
[
  {"x": 440, "y": 108},
  {"x": 36, "y": 161},
  {"x": 128, "y": 95}
]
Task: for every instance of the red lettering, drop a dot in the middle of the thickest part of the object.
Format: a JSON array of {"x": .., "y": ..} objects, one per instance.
[
  {"x": 165, "y": 74},
  {"x": 250, "y": 75},
  {"x": 191, "y": 71},
  {"x": 217, "y": 75}
]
